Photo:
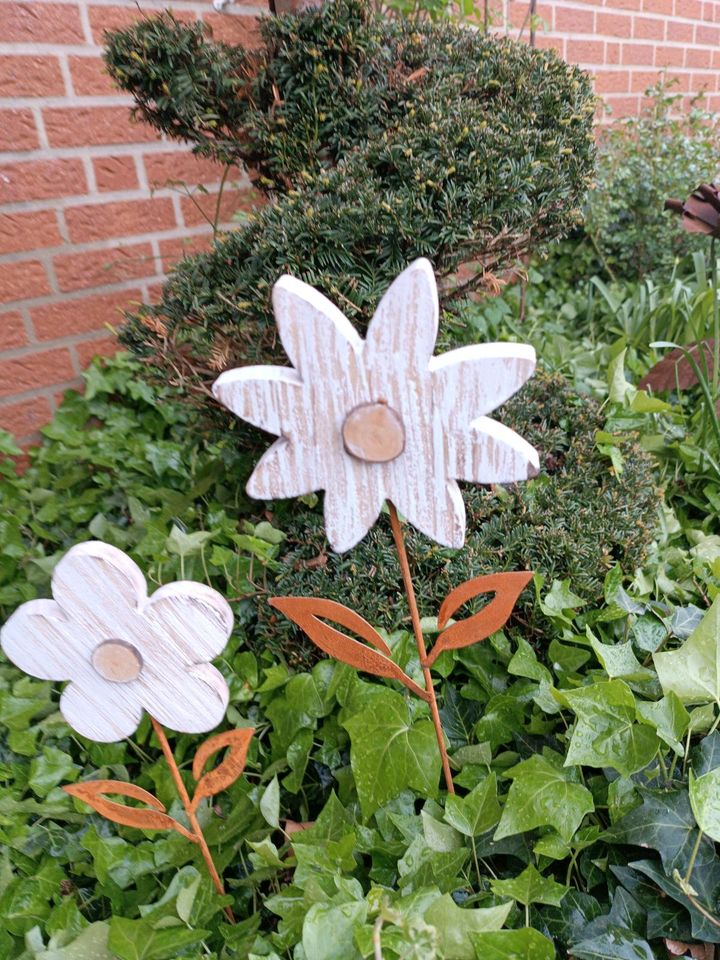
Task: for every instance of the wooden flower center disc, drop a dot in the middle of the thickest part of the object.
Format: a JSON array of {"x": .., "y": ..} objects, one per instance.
[
  {"x": 117, "y": 661},
  {"x": 374, "y": 432}
]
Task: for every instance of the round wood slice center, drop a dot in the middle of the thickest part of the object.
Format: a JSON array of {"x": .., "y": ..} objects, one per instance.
[
  {"x": 374, "y": 432},
  {"x": 117, "y": 661}
]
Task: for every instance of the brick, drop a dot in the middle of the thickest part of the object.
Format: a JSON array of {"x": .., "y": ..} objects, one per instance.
[
  {"x": 120, "y": 219},
  {"x": 93, "y": 126},
  {"x": 17, "y": 131},
  {"x": 716, "y": 59},
  {"x": 573, "y": 21},
  {"x": 28, "y": 231},
  {"x": 174, "y": 249},
  {"x": 649, "y": 28},
  {"x": 12, "y": 331},
  {"x": 99, "y": 268},
  {"x": 633, "y": 5},
  {"x": 585, "y": 51},
  {"x": 31, "y": 77},
  {"x": 41, "y": 23},
  {"x": 613, "y": 25},
  {"x": 115, "y": 173},
  {"x": 105, "y": 347},
  {"x": 698, "y": 57},
  {"x": 612, "y": 81},
  {"x": 22, "y": 280},
  {"x": 642, "y": 79},
  {"x": 623, "y": 107},
  {"x": 90, "y": 78},
  {"x": 658, "y": 6},
  {"x": 26, "y": 416},
  {"x": 669, "y": 56},
  {"x": 612, "y": 53},
  {"x": 638, "y": 54},
  {"x": 39, "y": 369},
  {"x": 543, "y": 42},
  {"x": 232, "y": 202},
  {"x": 690, "y": 9},
  {"x": 104, "y": 19},
  {"x": 41, "y": 180},
  {"x": 705, "y": 34},
  {"x": 180, "y": 165},
  {"x": 241, "y": 30},
  {"x": 679, "y": 32},
  {"x": 67, "y": 318},
  {"x": 703, "y": 81}
]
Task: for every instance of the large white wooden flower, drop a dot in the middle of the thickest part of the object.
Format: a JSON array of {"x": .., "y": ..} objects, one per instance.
[
  {"x": 380, "y": 418},
  {"x": 122, "y": 651}
]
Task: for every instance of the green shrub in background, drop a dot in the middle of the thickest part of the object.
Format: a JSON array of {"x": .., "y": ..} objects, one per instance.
[
  {"x": 641, "y": 162},
  {"x": 377, "y": 142}
]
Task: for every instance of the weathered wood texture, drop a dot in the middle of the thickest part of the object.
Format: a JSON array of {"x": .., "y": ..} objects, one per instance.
[
  {"x": 335, "y": 435},
  {"x": 122, "y": 651}
]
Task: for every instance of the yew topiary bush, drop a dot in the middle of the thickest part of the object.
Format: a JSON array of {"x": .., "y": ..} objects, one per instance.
[{"x": 375, "y": 142}]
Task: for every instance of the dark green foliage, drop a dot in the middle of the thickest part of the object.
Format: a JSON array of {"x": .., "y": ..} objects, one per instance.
[
  {"x": 576, "y": 520},
  {"x": 378, "y": 141}
]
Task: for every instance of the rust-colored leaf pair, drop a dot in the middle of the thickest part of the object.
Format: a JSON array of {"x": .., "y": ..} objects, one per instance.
[
  {"x": 153, "y": 815},
  {"x": 310, "y": 613}
]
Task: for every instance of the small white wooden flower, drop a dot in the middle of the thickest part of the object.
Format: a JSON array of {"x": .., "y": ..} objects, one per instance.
[
  {"x": 380, "y": 418},
  {"x": 122, "y": 651}
]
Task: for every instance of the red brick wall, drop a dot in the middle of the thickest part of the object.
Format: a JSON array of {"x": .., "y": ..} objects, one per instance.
[{"x": 88, "y": 224}]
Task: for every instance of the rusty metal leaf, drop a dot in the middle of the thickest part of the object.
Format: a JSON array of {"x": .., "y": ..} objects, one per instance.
[
  {"x": 92, "y": 792},
  {"x": 306, "y": 613},
  {"x": 507, "y": 587},
  {"x": 227, "y": 772},
  {"x": 675, "y": 371}
]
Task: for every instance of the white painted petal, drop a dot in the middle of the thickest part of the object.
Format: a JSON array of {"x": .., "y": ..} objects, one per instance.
[
  {"x": 267, "y": 397},
  {"x": 190, "y": 620},
  {"x": 401, "y": 336},
  {"x": 190, "y": 700},
  {"x": 440, "y": 515},
  {"x": 491, "y": 453},
  {"x": 472, "y": 381},
  {"x": 283, "y": 471},
  {"x": 319, "y": 340},
  {"x": 100, "y": 589},
  {"x": 39, "y": 639},
  {"x": 348, "y": 519},
  {"x": 102, "y": 711}
]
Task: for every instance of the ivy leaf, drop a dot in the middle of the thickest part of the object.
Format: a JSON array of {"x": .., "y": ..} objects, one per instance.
[
  {"x": 559, "y": 602},
  {"x": 525, "y": 944},
  {"x": 614, "y": 943},
  {"x": 664, "y": 822},
  {"x": 706, "y": 755},
  {"x": 186, "y": 544},
  {"x": 530, "y": 887},
  {"x": 477, "y": 812},
  {"x": 705, "y": 802},
  {"x": 388, "y": 752},
  {"x": 705, "y": 881},
  {"x": 606, "y": 733},
  {"x": 328, "y": 930},
  {"x": 457, "y": 927},
  {"x": 670, "y": 719},
  {"x": 618, "y": 660},
  {"x": 567, "y": 922},
  {"x": 693, "y": 671},
  {"x": 270, "y": 803},
  {"x": 544, "y": 794},
  {"x": 137, "y": 940}
]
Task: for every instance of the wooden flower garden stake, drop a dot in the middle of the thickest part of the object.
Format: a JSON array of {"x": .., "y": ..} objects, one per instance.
[
  {"x": 382, "y": 420},
  {"x": 124, "y": 652}
]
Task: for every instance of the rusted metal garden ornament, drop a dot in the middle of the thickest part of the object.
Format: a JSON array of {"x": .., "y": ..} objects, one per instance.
[
  {"x": 124, "y": 652},
  {"x": 383, "y": 421}
]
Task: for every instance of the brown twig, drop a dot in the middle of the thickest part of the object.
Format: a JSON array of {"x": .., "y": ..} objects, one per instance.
[
  {"x": 198, "y": 836},
  {"x": 420, "y": 641}
]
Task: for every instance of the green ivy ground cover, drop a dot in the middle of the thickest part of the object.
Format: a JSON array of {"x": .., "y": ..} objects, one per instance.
[{"x": 586, "y": 765}]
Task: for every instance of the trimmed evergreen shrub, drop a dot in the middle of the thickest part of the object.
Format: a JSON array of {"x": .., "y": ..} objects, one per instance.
[
  {"x": 576, "y": 520},
  {"x": 376, "y": 142}
]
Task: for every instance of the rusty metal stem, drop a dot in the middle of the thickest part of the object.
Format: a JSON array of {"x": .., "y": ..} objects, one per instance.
[
  {"x": 399, "y": 538},
  {"x": 187, "y": 804}
]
